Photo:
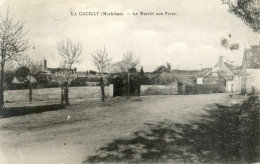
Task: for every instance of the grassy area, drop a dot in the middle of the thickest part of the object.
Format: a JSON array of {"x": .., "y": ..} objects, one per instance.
[{"x": 223, "y": 135}]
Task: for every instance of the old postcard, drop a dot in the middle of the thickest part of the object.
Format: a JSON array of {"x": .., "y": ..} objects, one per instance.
[{"x": 129, "y": 81}]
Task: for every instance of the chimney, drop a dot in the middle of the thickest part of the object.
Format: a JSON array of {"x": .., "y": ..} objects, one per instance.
[
  {"x": 221, "y": 59},
  {"x": 44, "y": 64}
]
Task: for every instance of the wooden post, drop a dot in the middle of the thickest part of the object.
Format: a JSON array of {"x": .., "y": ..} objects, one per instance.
[
  {"x": 66, "y": 94},
  {"x": 128, "y": 84},
  {"x": 30, "y": 93},
  {"x": 62, "y": 95}
]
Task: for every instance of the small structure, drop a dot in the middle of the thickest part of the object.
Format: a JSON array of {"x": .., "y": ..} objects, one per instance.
[
  {"x": 80, "y": 74},
  {"x": 19, "y": 80},
  {"x": 24, "y": 80},
  {"x": 94, "y": 80}
]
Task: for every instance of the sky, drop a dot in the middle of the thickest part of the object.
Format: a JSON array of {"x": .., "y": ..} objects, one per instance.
[{"x": 185, "y": 40}]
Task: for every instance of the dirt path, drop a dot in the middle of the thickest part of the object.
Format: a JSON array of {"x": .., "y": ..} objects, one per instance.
[{"x": 71, "y": 135}]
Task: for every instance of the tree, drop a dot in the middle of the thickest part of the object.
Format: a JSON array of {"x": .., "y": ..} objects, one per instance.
[
  {"x": 163, "y": 68},
  {"x": 33, "y": 66},
  {"x": 128, "y": 63},
  {"x": 142, "y": 70},
  {"x": 247, "y": 10},
  {"x": 22, "y": 72},
  {"x": 70, "y": 53},
  {"x": 91, "y": 72},
  {"x": 27, "y": 68},
  {"x": 13, "y": 44},
  {"x": 102, "y": 62}
]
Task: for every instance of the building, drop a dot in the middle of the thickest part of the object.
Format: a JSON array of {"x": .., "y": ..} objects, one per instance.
[
  {"x": 24, "y": 80},
  {"x": 251, "y": 70},
  {"x": 59, "y": 75},
  {"x": 226, "y": 74}
]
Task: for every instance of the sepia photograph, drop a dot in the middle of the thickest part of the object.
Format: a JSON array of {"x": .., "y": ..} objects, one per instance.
[{"x": 130, "y": 81}]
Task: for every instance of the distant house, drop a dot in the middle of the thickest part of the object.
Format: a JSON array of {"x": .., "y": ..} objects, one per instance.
[
  {"x": 176, "y": 79},
  {"x": 80, "y": 74},
  {"x": 58, "y": 75},
  {"x": 251, "y": 69},
  {"x": 223, "y": 77},
  {"x": 24, "y": 80},
  {"x": 19, "y": 80},
  {"x": 94, "y": 80},
  {"x": 224, "y": 73},
  {"x": 32, "y": 79}
]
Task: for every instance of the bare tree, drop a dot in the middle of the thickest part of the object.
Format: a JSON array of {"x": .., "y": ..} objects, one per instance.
[
  {"x": 10, "y": 66},
  {"x": 128, "y": 62},
  {"x": 70, "y": 53},
  {"x": 102, "y": 62},
  {"x": 33, "y": 67},
  {"x": 13, "y": 44}
]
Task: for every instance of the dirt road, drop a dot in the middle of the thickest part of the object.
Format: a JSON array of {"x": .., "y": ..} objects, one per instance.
[{"x": 69, "y": 136}]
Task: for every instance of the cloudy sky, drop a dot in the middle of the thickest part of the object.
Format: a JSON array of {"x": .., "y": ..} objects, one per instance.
[{"x": 190, "y": 38}]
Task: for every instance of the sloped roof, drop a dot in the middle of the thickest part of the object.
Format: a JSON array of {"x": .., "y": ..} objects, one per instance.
[
  {"x": 171, "y": 77},
  {"x": 231, "y": 66},
  {"x": 31, "y": 78},
  {"x": 96, "y": 79},
  {"x": 193, "y": 73},
  {"x": 93, "y": 79},
  {"x": 235, "y": 69},
  {"x": 80, "y": 73},
  {"x": 19, "y": 80},
  {"x": 53, "y": 70}
]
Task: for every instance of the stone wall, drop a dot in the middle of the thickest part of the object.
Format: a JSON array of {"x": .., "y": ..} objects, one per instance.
[
  {"x": 159, "y": 90},
  {"x": 53, "y": 94}
]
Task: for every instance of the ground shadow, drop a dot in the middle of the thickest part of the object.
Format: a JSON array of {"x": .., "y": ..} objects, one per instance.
[
  {"x": 223, "y": 135},
  {"x": 24, "y": 110}
]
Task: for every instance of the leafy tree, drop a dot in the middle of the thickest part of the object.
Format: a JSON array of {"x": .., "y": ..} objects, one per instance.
[
  {"x": 13, "y": 44},
  {"x": 8, "y": 77},
  {"x": 22, "y": 72},
  {"x": 247, "y": 10},
  {"x": 132, "y": 70},
  {"x": 91, "y": 72},
  {"x": 163, "y": 68},
  {"x": 41, "y": 78}
]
